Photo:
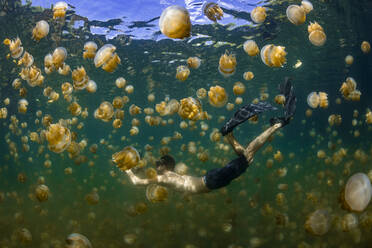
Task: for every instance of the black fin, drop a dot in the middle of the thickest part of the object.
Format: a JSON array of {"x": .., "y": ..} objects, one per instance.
[
  {"x": 244, "y": 113},
  {"x": 287, "y": 90}
]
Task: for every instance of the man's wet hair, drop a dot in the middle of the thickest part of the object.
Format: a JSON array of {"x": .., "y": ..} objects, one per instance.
[{"x": 167, "y": 161}]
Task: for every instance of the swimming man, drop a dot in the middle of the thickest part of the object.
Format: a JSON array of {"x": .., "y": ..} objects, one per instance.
[{"x": 221, "y": 177}]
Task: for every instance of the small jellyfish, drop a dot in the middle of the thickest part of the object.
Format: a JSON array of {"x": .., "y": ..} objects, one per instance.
[
  {"x": 280, "y": 99},
  {"x": 58, "y": 137},
  {"x": 313, "y": 100},
  {"x": 213, "y": 12},
  {"x": 76, "y": 240},
  {"x": 175, "y": 22},
  {"x": 126, "y": 158},
  {"x": 357, "y": 193},
  {"x": 248, "y": 75},
  {"x": 182, "y": 73},
  {"x": 58, "y": 57},
  {"x": 307, "y": 6},
  {"x": 42, "y": 192},
  {"x": 15, "y": 47},
  {"x": 239, "y": 88},
  {"x": 296, "y": 14},
  {"x": 156, "y": 193},
  {"x": 365, "y": 47},
  {"x": 40, "y": 30},
  {"x": 91, "y": 86},
  {"x": 251, "y": 48},
  {"x": 75, "y": 109},
  {"x": 316, "y": 34},
  {"x": 120, "y": 82},
  {"x": 193, "y": 62},
  {"x": 22, "y": 106},
  {"x": 27, "y": 60},
  {"x": 273, "y": 56},
  {"x": 258, "y": 14},
  {"x": 217, "y": 96},
  {"x": 59, "y": 10},
  {"x": 323, "y": 99},
  {"x": 24, "y": 236},
  {"x": 107, "y": 58},
  {"x": 90, "y": 49},
  {"x": 201, "y": 93},
  {"x": 66, "y": 88},
  {"x": 80, "y": 78},
  {"x": 227, "y": 64},
  {"x": 104, "y": 112},
  {"x": 318, "y": 222},
  {"x": 190, "y": 108},
  {"x": 64, "y": 70},
  {"x": 349, "y": 60}
]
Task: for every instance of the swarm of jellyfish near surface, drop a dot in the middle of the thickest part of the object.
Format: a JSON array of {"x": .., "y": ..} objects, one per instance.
[{"x": 97, "y": 126}]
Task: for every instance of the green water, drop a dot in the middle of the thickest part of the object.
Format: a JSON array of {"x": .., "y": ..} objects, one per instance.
[{"x": 235, "y": 216}]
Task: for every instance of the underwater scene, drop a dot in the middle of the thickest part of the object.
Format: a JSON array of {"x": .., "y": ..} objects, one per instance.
[{"x": 191, "y": 124}]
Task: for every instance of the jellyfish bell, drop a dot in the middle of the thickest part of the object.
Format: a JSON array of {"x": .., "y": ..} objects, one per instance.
[
  {"x": 365, "y": 47},
  {"x": 213, "y": 12},
  {"x": 227, "y": 64},
  {"x": 318, "y": 222},
  {"x": 182, "y": 73},
  {"x": 357, "y": 193},
  {"x": 76, "y": 240},
  {"x": 90, "y": 48},
  {"x": 175, "y": 22},
  {"x": 349, "y": 60},
  {"x": 59, "y": 10},
  {"x": 40, "y": 30},
  {"x": 193, "y": 62},
  {"x": 316, "y": 34},
  {"x": 251, "y": 48},
  {"x": 107, "y": 58},
  {"x": 273, "y": 56},
  {"x": 307, "y": 6},
  {"x": 91, "y": 86},
  {"x": 217, "y": 96},
  {"x": 15, "y": 47},
  {"x": 27, "y": 60},
  {"x": 58, "y": 137},
  {"x": 258, "y": 14},
  {"x": 190, "y": 108},
  {"x": 156, "y": 193},
  {"x": 296, "y": 14},
  {"x": 104, "y": 112},
  {"x": 126, "y": 158},
  {"x": 120, "y": 82},
  {"x": 58, "y": 57},
  {"x": 313, "y": 100},
  {"x": 42, "y": 192}
]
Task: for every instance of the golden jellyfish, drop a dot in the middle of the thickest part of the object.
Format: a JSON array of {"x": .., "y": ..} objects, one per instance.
[
  {"x": 258, "y": 14},
  {"x": 77, "y": 240},
  {"x": 107, "y": 58},
  {"x": 58, "y": 57},
  {"x": 193, "y": 62},
  {"x": 27, "y": 60},
  {"x": 91, "y": 86},
  {"x": 104, "y": 112},
  {"x": 175, "y": 22},
  {"x": 80, "y": 78},
  {"x": 74, "y": 109},
  {"x": 120, "y": 82},
  {"x": 40, "y": 30},
  {"x": 22, "y": 105},
  {"x": 126, "y": 158},
  {"x": 134, "y": 109},
  {"x": 151, "y": 173},
  {"x": 32, "y": 75},
  {"x": 349, "y": 91},
  {"x": 323, "y": 99},
  {"x": 368, "y": 116},
  {"x": 59, "y": 10},
  {"x": 365, "y": 47},
  {"x": 217, "y": 96},
  {"x": 90, "y": 49},
  {"x": 190, "y": 108},
  {"x": 3, "y": 113},
  {"x": 279, "y": 99},
  {"x": 317, "y": 99},
  {"x": 64, "y": 70},
  {"x": 307, "y": 6},
  {"x": 318, "y": 222},
  {"x": 357, "y": 193},
  {"x": 129, "y": 89},
  {"x": 117, "y": 123},
  {"x": 251, "y": 48},
  {"x": 118, "y": 102},
  {"x": 213, "y": 12},
  {"x": 239, "y": 88},
  {"x": 334, "y": 119},
  {"x": 296, "y": 14},
  {"x": 58, "y": 137},
  {"x": 201, "y": 93},
  {"x": 66, "y": 88},
  {"x": 349, "y": 222},
  {"x": 227, "y": 64},
  {"x": 15, "y": 47},
  {"x": 248, "y": 75},
  {"x": 156, "y": 193},
  {"x": 42, "y": 192},
  {"x": 349, "y": 60},
  {"x": 273, "y": 56},
  {"x": 182, "y": 73},
  {"x": 16, "y": 84},
  {"x": 93, "y": 197},
  {"x": 24, "y": 236},
  {"x": 316, "y": 34}
]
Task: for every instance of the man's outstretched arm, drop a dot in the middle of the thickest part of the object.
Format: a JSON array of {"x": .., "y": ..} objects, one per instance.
[
  {"x": 258, "y": 142},
  {"x": 139, "y": 181}
]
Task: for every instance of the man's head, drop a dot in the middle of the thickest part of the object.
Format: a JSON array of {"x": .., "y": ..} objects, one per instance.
[{"x": 165, "y": 163}]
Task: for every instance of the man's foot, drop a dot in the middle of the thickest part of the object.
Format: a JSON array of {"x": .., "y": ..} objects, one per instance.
[
  {"x": 244, "y": 113},
  {"x": 287, "y": 90}
]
